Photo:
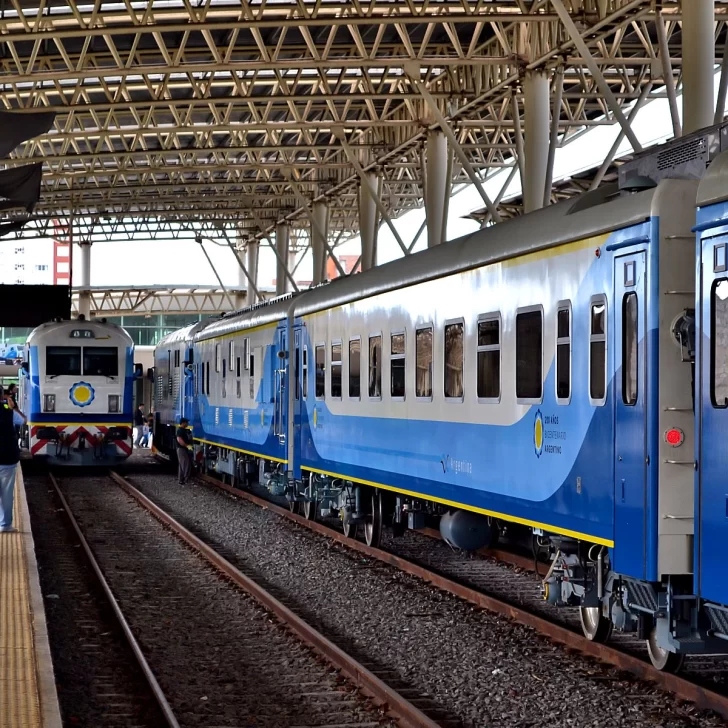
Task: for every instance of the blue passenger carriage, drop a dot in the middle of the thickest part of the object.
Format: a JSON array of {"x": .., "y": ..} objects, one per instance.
[{"x": 77, "y": 392}]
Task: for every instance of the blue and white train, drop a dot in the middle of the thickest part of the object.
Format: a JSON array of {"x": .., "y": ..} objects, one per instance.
[
  {"x": 541, "y": 372},
  {"x": 76, "y": 389}
]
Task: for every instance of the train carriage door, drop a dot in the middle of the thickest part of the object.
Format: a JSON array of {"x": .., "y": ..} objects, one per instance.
[
  {"x": 299, "y": 367},
  {"x": 280, "y": 395},
  {"x": 630, "y": 471},
  {"x": 712, "y": 403}
]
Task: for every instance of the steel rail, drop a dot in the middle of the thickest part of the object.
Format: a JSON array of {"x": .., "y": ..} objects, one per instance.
[
  {"x": 405, "y": 712},
  {"x": 702, "y": 697},
  {"x": 126, "y": 629}
]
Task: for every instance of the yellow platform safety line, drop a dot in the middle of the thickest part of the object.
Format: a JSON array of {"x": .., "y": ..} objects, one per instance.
[
  {"x": 19, "y": 699},
  {"x": 474, "y": 509},
  {"x": 245, "y": 452}
]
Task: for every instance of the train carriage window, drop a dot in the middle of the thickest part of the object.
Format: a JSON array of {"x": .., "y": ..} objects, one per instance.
[
  {"x": 336, "y": 370},
  {"x": 375, "y": 366},
  {"x": 237, "y": 367},
  {"x": 251, "y": 379},
  {"x": 218, "y": 357},
  {"x": 630, "y": 341},
  {"x": 489, "y": 358},
  {"x": 101, "y": 361},
  {"x": 304, "y": 367},
  {"x": 355, "y": 368},
  {"x": 719, "y": 343},
  {"x": 598, "y": 350},
  {"x": 63, "y": 361},
  {"x": 231, "y": 358},
  {"x": 176, "y": 357},
  {"x": 246, "y": 353},
  {"x": 297, "y": 370},
  {"x": 320, "y": 371},
  {"x": 529, "y": 355},
  {"x": 207, "y": 378},
  {"x": 563, "y": 353},
  {"x": 423, "y": 363},
  {"x": 397, "y": 365},
  {"x": 454, "y": 341}
]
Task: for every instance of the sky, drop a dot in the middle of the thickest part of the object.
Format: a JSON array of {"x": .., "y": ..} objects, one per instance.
[{"x": 142, "y": 263}]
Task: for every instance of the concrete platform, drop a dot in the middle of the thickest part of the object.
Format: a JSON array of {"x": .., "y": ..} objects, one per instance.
[{"x": 28, "y": 697}]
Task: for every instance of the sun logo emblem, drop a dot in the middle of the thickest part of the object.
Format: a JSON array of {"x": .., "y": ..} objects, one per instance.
[
  {"x": 82, "y": 394},
  {"x": 538, "y": 434}
]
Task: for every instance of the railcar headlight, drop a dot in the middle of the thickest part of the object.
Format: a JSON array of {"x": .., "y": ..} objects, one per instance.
[
  {"x": 49, "y": 402},
  {"x": 113, "y": 403}
]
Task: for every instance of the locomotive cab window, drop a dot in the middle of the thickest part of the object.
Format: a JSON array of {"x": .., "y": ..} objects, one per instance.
[
  {"x": 630, "y": 342},
  {"x": 320, "y": 371},
  {"x": 529, "y": 355},
  {"x": 719, "y": 343},
  {"x": 355, "y": 368},
  {"x": 489, "y": 358},
  {"x": 336, "y": 370},
  {"x": 63, "y": 361},
  {"x": 101, "y": 361},
  {"x": 598, "y": 350},
  {"x": 423, "y": 363},
  {"x": 397, "y": 365},
  {"x": 454, "y": 342},
  {"x": 375, "y": 366},
  {"x": 563, "y": 353}
]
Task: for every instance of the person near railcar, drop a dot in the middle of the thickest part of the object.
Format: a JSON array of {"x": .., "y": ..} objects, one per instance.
[
  {"x": 139, "y": 425},
  {"x": 10, "y": 419},
  {"x": 184, "y": 451}
]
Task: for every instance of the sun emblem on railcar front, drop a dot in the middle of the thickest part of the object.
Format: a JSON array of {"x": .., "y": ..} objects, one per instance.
[
  {"x": 538, "y": 434},
  {"x": 82, "y": 394}
]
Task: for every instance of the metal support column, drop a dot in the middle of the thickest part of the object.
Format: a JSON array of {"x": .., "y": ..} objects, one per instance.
[
  {"x": 252, "y": 266},
  {"x": 319, "y": 234},
  {"x": 241, "y": 291},
  {"x": 230, "y": 301},
  {"x": 536, "y": 108},
  {"x": 436, "y": 186},
  {"x": 698, "y": 56},
  {"x": 283, "y": 236},
  {"x": 368, "y": 220},
  {"x": 84, "y": 296}
]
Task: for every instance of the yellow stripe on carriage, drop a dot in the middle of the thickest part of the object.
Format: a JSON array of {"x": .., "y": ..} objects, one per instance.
[
  {"x": 245, "y": 452},
  {"x": 484, "y": 511}
]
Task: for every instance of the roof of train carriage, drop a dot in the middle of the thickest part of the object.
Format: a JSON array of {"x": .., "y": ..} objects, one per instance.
[
  {"x": 594, "y": 213},
  {"x": 53, "y": 326},
  {"x": 185, "y": 333},
  {"x": 713, "y": 186},
  {"x": 267, "y": 312}
]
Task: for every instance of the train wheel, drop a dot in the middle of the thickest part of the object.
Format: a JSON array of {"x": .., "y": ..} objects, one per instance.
[
  {"x": 594, "y": 624},
  {"x": 309, "y": 510},
  {"x": 373, "y": 525},
  {"x": 662, "y": 659}
]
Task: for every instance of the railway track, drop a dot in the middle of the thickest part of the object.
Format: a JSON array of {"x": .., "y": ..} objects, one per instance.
[
  {"x": 482, "y": 581},
  {"x": 223, "y": 650}
]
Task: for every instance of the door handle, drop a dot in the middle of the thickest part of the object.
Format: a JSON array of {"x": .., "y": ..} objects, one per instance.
[{"x": 619, "y": 457}]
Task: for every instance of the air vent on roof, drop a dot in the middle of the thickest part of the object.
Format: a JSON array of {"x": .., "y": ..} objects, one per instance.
[{"x": 694, "y": 149}]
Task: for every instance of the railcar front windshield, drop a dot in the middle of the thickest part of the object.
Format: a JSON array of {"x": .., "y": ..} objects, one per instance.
[
  {"x": 101, "y": 361},
  {"x": 63, "y": 361}
]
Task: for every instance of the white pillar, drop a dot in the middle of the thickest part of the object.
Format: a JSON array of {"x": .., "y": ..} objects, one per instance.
[
  {"x": 283, "y": 236},
  {"x": 241, "y": 298},
  {"x": 368, "y": 221},
  {"x": 436, "y": 186},
  {"x": 252, "y": 266},
  {"x": 84, "y": 296},
  {"x": 319, "y": 234},
  {"x": 536, "y": 122},
  {"x": 698, "y": 57}
]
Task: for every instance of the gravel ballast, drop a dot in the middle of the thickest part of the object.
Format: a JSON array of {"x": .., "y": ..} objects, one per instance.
[{"x": 477, "y": 665}]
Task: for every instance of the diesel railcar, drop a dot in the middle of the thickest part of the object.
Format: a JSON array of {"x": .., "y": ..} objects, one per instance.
[{"x": 76, "y": 385}]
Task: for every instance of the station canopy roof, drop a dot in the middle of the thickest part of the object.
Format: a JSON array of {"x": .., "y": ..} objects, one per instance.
[{"x": 180, "y": 116}]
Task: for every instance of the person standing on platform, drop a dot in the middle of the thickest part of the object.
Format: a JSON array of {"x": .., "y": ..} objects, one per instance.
[
  {"x": 9, "y": 457},
  {"x": 139, "y": 424},
  {"x": 184, "y": 454},
  {"x": 13, "y": 394}
]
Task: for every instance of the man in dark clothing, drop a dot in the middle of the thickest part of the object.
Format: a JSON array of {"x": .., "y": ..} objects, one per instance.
[
  {"x": 139, "y": 424},
  {"x": 184, "y": 454},
  {"x": 9, "y": 456}
]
